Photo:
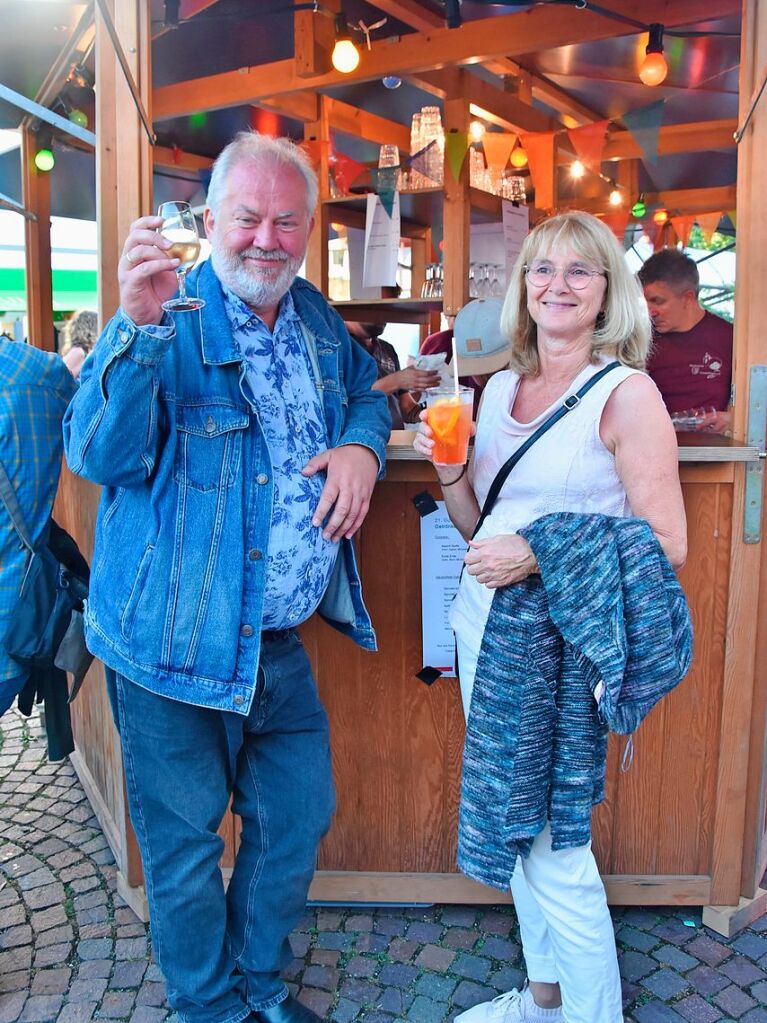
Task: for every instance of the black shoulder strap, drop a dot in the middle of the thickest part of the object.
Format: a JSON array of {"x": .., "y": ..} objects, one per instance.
[{"x": 569, "y": 403}]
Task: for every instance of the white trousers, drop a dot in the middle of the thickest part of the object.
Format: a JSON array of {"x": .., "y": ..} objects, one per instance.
[{"x": 566, "y": 928}]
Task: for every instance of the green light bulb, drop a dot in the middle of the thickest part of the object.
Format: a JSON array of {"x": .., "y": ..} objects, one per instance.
[
  {"x": 79, "y": 118},
  {"x": 44, "y": 160},
  {"x": 638, "y": 210}
]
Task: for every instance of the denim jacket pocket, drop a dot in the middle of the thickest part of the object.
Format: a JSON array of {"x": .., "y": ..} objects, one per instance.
[
  {"x": 137, "y": 590},
  {"x": 208, "y": 445}
]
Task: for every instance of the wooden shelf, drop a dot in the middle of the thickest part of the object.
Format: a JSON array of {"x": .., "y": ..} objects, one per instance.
[
  {"x": 389, "y": 310},
  {"x": 418, "y": 209}
]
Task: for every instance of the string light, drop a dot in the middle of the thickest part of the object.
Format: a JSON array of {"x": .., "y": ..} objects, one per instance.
[
  {"x": 654, "y": 67},
  {"x": 577, "y": 169},
  {"x": 45, "y": 160},
  {"x": 519, "y": 157},
  {"x": 639, "y": 209},
  {"x": 476, "y": 131},
  {"x": 78, "y": 117},
  {"x": 346, "y": 56},
  {"x": 615, "y": 198},
  {"x": 660, "y": 216}
]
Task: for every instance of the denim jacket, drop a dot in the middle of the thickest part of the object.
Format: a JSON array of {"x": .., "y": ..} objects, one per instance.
[{"x": 183, "y": 526}]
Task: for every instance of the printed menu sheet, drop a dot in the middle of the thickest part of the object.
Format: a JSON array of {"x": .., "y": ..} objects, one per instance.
[
  {"x": 516, "y": 227},
  {"x": 381, "y": 243},
  {"x": 442, "y": 552}
]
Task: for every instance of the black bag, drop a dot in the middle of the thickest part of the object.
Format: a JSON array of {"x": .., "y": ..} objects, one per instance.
[{"x": 50, "y": 602}]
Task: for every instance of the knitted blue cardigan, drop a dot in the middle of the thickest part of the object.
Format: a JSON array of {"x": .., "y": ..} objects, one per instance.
[{"x": 606, "y": 614}]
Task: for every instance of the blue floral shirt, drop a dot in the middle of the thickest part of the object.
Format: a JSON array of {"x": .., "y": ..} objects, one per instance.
[{"x": 278, "y": 372}]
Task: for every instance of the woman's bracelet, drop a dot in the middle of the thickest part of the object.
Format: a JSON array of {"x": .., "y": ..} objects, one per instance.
[{"x": 463, "y": 473}]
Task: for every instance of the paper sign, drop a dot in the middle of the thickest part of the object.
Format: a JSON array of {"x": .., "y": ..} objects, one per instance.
[
  {"x": 381, "y": 243},
  {"x": 442, "y": 552},
  {"x": 516, "y": 227}
]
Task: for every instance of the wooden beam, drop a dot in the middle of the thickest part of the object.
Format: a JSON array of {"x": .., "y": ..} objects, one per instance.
[
  {"x": 36, "y": 190},
  {"x": 313, "y": 39},
  {"x": 680, "y": 201},
  {"x": 487, "y": 101},
  {"x": 696, "y": 136},
  {"x": 361, "y": 123},
  {"x": 474, "y": 42},
  {"x": 300, "y": 106},
  {"x": 412, "y": 13},
  {"x": 163, "y": 156},
  {"x": 457, "y": 215}
]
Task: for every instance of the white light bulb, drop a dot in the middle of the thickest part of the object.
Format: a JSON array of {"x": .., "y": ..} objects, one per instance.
[
  {"x": 346, "y": 56},
  {"x": 577, "y": 170}
]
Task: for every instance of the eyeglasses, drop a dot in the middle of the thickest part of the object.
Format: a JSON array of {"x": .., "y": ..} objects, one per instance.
[{"x": 575, "y": 277}]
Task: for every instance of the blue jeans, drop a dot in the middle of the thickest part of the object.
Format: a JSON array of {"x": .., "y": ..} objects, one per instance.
[{"x": 221, "y": 954}]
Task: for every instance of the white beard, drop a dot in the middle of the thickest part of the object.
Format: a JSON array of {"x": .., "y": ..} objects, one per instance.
[{"x": 257, "y": 289}]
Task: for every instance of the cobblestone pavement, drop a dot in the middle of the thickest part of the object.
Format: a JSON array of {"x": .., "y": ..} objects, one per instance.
[{"x": 72, "y": 952}]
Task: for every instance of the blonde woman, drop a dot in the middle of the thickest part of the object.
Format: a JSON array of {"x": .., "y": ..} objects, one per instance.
[{"x": 572, "y": 307}]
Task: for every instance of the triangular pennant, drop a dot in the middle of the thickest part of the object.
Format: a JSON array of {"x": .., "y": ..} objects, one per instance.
[
  {"x": 456, "y": 148},
  {"x": 644, "y": 125},
  {"x": 346, "y": 171},
  {"x": 733, "y": 215},
  {"x": 589, "y": 143},
  {"x": 385, "y": 185},
  {"x": 498, "y": 146},
  {"x": 652, "y": 230},
  {"x": 314, "y": 149},
  {"x": 539, "y": 153},
  {"x": 420, "y": 161},
  {"x": 618, "y": 222},
  {"x": 708, "y": 223},
  {"x": 683, "y": 225}
]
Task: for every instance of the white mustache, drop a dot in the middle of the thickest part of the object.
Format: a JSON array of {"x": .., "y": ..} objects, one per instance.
[{"x": 276, "y": 254}]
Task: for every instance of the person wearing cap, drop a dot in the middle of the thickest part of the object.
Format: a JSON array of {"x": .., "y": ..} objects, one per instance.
[
  {"x": 397, "y": 384},
  {"x": 481, "y": 348},
  {"x": 571, "y": 309}
]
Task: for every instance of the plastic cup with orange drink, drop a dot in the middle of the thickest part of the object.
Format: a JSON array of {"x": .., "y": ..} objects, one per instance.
[{"x": 448, "y": 413}]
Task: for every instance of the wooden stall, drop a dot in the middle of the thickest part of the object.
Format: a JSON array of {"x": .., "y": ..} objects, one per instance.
[{"x": 687, "y": 823}]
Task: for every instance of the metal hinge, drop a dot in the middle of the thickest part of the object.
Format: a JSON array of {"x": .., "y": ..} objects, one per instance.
[{"x": 756, "y": 438}]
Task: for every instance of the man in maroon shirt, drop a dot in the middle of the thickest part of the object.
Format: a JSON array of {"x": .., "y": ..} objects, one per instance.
[{"x": 691, "y": 361}]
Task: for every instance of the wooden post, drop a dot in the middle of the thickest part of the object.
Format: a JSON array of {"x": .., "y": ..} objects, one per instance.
[
  {"x": 37, "y": 245},
  {"x": 317, "y": 250},
  {"x": 457, "y": 216},
  {"x": 123, "y": 193},
  {"x": 751, "y": 350}
]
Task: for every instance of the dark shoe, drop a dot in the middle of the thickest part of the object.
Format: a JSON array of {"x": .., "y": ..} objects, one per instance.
[{"x": 288, "y": 1011}]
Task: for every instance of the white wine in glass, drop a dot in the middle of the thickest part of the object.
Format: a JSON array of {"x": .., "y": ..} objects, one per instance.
[{"x": 180, "y": 227}]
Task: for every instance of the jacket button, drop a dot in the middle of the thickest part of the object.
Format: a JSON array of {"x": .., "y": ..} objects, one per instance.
[
  {"x": 238, "y": 701},
  {"x": 210, "y": 426},
  {"x": 262, "y": 478},
  {"x": 254, "y": 554},
  {"x": 247, "y": 630}
]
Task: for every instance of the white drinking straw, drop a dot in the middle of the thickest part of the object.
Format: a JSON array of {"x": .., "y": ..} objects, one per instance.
[{"x": 455, "y": 368}]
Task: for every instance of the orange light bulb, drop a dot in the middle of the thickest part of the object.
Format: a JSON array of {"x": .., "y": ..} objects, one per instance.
[
  {"x": 660, "y": 216},
  {"x": 519, "y": 157},
  {"x": 654, "y": 69}
]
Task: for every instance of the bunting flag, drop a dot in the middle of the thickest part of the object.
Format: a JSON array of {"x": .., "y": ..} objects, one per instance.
[
  {"x": 618, "y": 222},
  {"x": 419, "y": 162},
  {"x": 346, "y": 171},
  {"x": 682, "y": 225},
  {"x": 385, "y": 185},
  {"x": 589, "y": 143},
  {"x": 652, "y": 230},
  {"x": 498, "y": 146},
  {"x": 314, "y": 148},
  {"x": 644, "y": 125},
  {"x": 733, "y": 215},
  {"x": 539, "y": 153},
  {"x": 456, "y": 148},
  {"x": 708, "y": 223}
]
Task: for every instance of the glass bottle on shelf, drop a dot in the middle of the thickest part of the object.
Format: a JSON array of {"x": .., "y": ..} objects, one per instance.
[
  {"x": 416, "y": 179},
  {"x": 439, "y": 283},
  {"x": 431, "y": 127},
  {"x": 428, "y": 281}
]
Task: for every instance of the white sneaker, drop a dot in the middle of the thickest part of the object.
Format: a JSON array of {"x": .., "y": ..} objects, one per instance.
[{"x": 512, "y": 1007}]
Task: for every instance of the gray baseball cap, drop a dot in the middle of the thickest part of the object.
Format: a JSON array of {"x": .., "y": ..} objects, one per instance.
[{"x": 479, "y": 344}]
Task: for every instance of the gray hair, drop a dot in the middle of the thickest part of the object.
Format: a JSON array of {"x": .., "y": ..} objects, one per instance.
[
  {"x": 623, "y": 329},
  {"x": 257, "y": 148}
]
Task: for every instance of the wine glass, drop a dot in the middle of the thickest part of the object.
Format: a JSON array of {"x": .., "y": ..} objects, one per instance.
[{"x": 180, "y": 227}]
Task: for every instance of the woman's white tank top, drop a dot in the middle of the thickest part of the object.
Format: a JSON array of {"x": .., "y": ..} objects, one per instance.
[{"x": 568, "y": 469}]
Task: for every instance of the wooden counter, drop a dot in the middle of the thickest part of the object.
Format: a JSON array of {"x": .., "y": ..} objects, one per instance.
[{"x": 666, "y": 832}]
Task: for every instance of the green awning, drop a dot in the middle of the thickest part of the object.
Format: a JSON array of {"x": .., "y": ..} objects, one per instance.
[{"x": 72, "y": 289}]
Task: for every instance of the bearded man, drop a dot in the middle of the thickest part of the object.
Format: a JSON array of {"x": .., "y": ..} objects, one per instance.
[{"x": 238, "y": 446}]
